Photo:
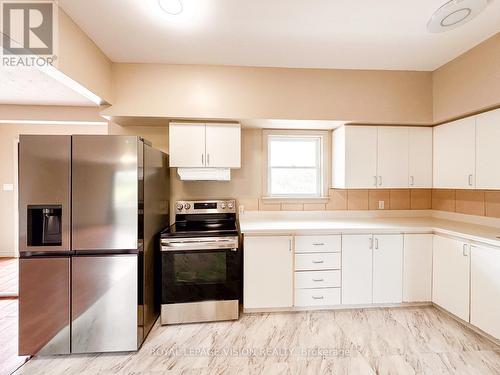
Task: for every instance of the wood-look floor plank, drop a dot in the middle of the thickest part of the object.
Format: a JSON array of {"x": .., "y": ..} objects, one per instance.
[
  {"x": 9, "y": 360},
  {"x": 8, "y": 276}
]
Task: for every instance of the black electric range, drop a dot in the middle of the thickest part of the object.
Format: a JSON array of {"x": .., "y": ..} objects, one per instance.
[{"x": 201, "y": 263}]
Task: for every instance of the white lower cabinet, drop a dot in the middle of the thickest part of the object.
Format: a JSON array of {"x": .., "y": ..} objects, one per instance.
[
  {"x": 451, "y": 275},
  {"x": 317, "y": 270},
  {"x": 417, "y": 268},
  {"x": 317, "y": 279},
  {"x": 267, "y": 272},
  {"x": 485, "y": 289},
  {"x": 388, "y": 269},
  {"x": 317, "y": 261},
  {"x": 372, "y": 269},
  {"x": 357, "y": 269},
  {"x": 317, "y": 297}
]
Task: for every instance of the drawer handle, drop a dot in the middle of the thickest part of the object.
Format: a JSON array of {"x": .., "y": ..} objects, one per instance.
[
  {"x": 314, "y": 297},
  {"x": 318, "y": 280},
  {"x": 318, "y": 261},
  {"x": 318, "y": 244}
]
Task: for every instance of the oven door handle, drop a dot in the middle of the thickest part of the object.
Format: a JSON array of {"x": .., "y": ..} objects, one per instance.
[{"x": 200, "y": 244}]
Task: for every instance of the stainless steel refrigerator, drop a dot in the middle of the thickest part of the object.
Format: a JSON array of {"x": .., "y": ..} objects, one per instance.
[{"x": 90, "y": 210}]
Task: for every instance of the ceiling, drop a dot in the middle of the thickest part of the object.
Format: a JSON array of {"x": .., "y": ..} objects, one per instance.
[
  {"x": 361, "y": 34},
  {"x": 30, "y": 86}
]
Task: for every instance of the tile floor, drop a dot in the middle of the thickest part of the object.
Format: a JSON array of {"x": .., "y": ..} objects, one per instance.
[{"x": 420, "y": 340}]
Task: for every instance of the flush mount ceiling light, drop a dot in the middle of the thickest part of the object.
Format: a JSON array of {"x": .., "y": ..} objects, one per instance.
[
  {"x": 455, "y": 13},
  {"x": 172, "y": 7}
]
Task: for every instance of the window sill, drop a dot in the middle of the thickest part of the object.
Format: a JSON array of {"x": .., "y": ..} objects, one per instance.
[{"x": 295, "y": 199}]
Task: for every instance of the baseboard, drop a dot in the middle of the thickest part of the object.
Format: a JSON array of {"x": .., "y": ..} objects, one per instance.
[
  {"x": 336, "y": 307},
  {"x": 468, "y": 325}
]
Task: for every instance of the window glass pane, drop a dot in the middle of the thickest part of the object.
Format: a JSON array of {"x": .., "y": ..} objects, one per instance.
[
  {"x": 290, "y": 152},
  {"x": 294, "y": 181}
]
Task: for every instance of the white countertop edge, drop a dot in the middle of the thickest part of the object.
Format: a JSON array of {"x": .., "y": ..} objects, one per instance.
[{"x": 308, "y": 225}]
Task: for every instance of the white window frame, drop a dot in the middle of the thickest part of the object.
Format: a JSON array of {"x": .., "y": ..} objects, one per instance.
[{"x": 321, "y": 162}]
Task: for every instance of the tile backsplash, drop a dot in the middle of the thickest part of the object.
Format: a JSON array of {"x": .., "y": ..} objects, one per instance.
[{"x": 470, "y": 202}]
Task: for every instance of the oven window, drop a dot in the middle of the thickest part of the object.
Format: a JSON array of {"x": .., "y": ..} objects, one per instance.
[{"x": 200, "y": 268}]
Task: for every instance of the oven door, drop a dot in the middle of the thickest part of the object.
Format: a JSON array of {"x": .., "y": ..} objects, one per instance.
[{"x": 201, "y": 269}]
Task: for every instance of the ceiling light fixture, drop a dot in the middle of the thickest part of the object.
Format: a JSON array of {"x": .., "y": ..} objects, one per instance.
[
  {"x": 454, "y": 14},
  {"x": 172, "y": 7}
]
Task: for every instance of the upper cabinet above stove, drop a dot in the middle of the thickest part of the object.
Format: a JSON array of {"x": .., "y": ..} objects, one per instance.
[{"x": 205, "y": 145}]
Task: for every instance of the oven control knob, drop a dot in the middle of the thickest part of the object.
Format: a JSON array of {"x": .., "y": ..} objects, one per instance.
[
  {"x": 223, "y": 205},
  {"x": 179, "y": 206},
  {"x": 187, "y": 206},
  {"x": 230, "y": 205}
]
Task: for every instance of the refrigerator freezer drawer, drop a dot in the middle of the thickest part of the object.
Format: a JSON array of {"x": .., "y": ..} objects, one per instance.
[
  {"x": 44, "y": 302},
  {"x": 104, "y": 304}
]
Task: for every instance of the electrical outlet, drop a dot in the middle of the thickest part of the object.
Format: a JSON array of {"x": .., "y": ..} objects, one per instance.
[
  {"x": 381, "y": 205},
  {"x": 8, "y": 187},
  {"x": 241, "y": 209}
]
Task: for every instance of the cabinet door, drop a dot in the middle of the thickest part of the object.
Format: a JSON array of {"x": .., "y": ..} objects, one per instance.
[
  {"x": 392, "y": 164},
  {"x": 357, "y": 269},
  {"x": 450, "y": 286},
  {"x": 388, "y": 269},
  {"x": 268, "y": 272},
  {"x": 420, "y": 157},
  {"x": 485, "y": 289},
  {"x": 417, "y": 269},
  {"x": 454, "y": 154},
  {"x": 187, "y": 145},
  {"x": 361, "y": 156},
  {"x": 488, "y": 150},
  {"x": 223, "y": 146}
]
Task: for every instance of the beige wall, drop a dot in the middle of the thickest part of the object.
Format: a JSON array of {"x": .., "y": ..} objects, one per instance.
[
  {"x": 224, "y": 92},
  {"x": 245, "y": 184},
  {"x": 9, "y": 133},
  {"x": 49, "y": 113},
  {"x": 80, "y": 59},
  {"x": 468, "y": 84}
]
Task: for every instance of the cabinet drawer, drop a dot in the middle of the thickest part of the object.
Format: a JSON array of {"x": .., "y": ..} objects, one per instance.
[
  {"x": 318, "y": 261},
  {"x": 317, "y": 279},
  {"x": 317, "y": 297},
  {"x": 318, "y": 244}
]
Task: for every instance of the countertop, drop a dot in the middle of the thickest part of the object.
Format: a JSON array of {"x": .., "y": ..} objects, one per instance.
[{"x": 266, "y": 223}]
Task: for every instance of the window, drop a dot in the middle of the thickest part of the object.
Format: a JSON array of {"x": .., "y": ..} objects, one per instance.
[{"x": 295, "y": 166}]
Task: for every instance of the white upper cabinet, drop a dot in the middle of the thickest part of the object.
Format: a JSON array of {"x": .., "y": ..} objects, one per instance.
[
  {"x": 451, "y": 275},
  {"x": 455, "y": 154},
  {"x": 187, "y": 145},
  {"x": 200, "y": 145},
  {"x": 488, "y": 150},
  {"x": 420, "y": 157},
  {"x": 368, "y": 157},
  {"x": 223, "y": 146},
  {"x": 355, "y": 157},
  {"x": 392, "y": 165}
]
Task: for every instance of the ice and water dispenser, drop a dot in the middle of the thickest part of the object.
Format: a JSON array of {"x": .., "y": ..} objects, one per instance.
[{"x": 44, "y": 225}]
